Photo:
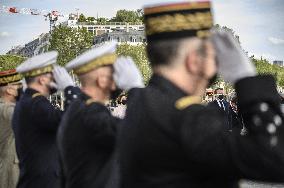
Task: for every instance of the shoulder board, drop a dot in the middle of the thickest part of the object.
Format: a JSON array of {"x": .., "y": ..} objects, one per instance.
[
  {"x": 36, "y": 95},
  {"x": 90, "y": 101},
  {"x": 185, "y": 102}
]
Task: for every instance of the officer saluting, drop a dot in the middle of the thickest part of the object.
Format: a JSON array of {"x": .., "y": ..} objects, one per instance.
[
  {"x": 35, "y": 121},
  {"x": 87, "y": 132},
  {"x": 168, "y": 139}
]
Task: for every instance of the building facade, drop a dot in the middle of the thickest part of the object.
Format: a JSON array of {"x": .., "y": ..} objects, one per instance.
[
  {"x": 15, "y": 50},
  {"x": 35, "y": 47},
  {"x": 132, "y": 37},
  {"x": 98, "y": 28},
  {"x": 279, "y": 63}
]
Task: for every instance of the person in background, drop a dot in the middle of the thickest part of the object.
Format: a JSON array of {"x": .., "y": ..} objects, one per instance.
[
  {"x": 119, "y": 111},
  {"x": 10, "y": 92},
  {"x": 282, "y": 102},
  {"x": 222, "y": 104},
  {"x": 237, "y": 119}
]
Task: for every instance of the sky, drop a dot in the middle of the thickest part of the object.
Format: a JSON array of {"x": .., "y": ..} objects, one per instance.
[{"x": 259, "y": 23}]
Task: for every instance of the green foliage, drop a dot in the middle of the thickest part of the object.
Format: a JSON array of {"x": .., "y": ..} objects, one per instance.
[
  {"x": 225, "y": 28},
  {"x": 264, "y": 67},
  {"x": 82, "y": 18},
  {"x": 138, "y": 53},
  {"x": 90, "y": 19},
  {"x": 102, "y": 20},
  {"x": 10, "y": 61},
  {"x": 127, "y": 16},
  {"x": 70, "y": 42},
  {"x": 140, "y": 14}
]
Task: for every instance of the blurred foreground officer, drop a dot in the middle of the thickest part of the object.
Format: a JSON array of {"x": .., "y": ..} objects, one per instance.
[
  {"x": 168, "y": 139},
  {"x": 10, "y": 88},
  {"x": 36, "y": 120},
  {"x": 87, "y": 132}
]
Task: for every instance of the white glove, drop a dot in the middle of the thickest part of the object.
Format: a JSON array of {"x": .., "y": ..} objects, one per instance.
[
  {"x": 126, "y": 74},
  {"x": 62, "y": 78},
  {"x": 24, "y": 84},
  {"x": 233, "y": 64}
]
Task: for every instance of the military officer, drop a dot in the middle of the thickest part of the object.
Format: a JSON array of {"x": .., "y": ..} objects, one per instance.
[
  {"x": 168, "y": 139},
  {"x": 88, "y": 130},
  {"x": 10, "y": 87},
  {"x": 35, "y": 121}
]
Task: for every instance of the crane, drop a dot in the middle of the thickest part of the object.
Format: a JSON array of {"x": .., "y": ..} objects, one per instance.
[{"x": 52, "y": 16}]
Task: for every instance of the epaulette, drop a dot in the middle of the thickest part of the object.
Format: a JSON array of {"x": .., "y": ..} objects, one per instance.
[
  {"x": 90, "y": 101},
  {"x": 185, "y": 102},
  {"x": 36, "y": 95}
]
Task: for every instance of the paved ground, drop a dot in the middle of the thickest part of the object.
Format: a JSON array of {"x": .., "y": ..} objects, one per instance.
[{"x": 249, "y": 184}]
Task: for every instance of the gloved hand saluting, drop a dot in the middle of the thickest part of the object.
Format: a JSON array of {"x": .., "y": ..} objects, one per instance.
[
  {"x": 232, "y": 62},
  {"x": 62, "y": 78},
  {"x": 126, "y": 74}
]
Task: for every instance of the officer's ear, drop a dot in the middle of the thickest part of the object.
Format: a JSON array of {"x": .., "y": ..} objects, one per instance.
[
  {"x": 11, "y": 91},
  {"x": 192, "y": 62},
  {"x": 99, "y": 82},
  {"x": 41, "y": 80}
]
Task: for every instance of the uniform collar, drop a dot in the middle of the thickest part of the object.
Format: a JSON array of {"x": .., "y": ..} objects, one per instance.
[
  {"x": 166, "y": 85},
  {"x": 5, "y": 102},
  {"x": 30, "y": 91},
  {"x": 89, "y": 100},
  {"x": 84, "y": 96}
]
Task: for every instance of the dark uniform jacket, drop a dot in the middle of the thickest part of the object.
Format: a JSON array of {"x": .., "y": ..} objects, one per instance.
[
  {"x": 233, "y": 121},
  {"x": 86, "y": 141},
  {"x": 167, "y": 141},
  {"x": 35, "y": 123}
]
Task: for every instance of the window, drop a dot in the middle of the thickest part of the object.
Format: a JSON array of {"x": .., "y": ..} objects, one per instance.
[{"x": 133, "y": 39}]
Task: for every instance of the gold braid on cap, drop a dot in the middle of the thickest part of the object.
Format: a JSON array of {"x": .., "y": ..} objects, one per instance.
[
  {"x": 39, "y": 71},
  {"x": 10, "y": 79},
  {"x": 180, "y": 22},
  {"x": 107, "y": 59},
  {"x": 176, "y": 7}
]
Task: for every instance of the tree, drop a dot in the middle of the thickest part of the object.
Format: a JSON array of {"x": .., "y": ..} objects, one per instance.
[
  {"x": 10, "y": 61},
  {"x": 127, "y": 16},
  {"x": 217, "y": 26},
  {"x": 264, "y": 67},
  {"x": 140, "y": 14},
  {"x": 90, "y": 19},
  {"x": 138, "y": 53},
  {"x": 82, "y": 18},
  {"x": 70, "y": 42},
  {"x": 102, "y": 20}
]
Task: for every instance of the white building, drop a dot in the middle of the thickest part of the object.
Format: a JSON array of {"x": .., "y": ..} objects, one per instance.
[{"x": 100, "y": 28}]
